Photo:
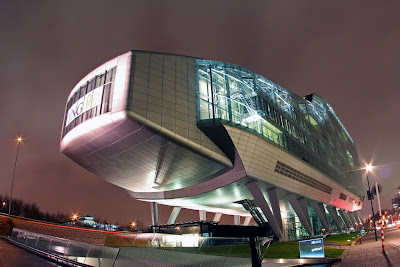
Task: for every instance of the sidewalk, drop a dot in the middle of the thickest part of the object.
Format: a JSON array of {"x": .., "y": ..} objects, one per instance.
[{"x": 370, "y": 254}]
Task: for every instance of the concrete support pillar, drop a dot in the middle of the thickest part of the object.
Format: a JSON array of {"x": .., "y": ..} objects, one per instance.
[
  {"x": 154, "y": 213},
  {"x": 217, "y": 217},
  {"x": 174, "y": 215},
  {"x": 344, "y": 217},
  {"x": 299, "y": 211},
  {"x": 321, "y": 215},
  {"x": 247, "y": 221},
  {"x": 262, "y": 203},
  {"x": 236, "y": 219},
  {"x": 203, "y": 215},
  {"x": 332, "y": 211},
  {"x": 273, "y": 199}
]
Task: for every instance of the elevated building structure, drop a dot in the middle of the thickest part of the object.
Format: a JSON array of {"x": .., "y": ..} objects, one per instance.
[{"x": 215, "y": 137}]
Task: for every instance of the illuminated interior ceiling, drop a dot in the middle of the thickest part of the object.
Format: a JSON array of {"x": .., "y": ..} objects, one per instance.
[{"x": 306, "y": 126}]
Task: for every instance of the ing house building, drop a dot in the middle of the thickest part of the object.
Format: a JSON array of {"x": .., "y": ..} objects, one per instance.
[{"x": 215, "y": 137}]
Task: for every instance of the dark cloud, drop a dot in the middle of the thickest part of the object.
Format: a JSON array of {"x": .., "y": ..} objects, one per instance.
[{"x": 345, "y": 52}]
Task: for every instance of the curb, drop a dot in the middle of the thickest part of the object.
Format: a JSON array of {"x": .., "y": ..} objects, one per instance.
[{"x": 346, "y": 252}]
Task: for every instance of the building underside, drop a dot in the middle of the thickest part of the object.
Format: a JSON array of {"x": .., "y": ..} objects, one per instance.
[{"x": 215, "y": 137}]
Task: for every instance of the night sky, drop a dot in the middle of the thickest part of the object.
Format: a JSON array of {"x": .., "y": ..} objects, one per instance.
[{"x": 345, "y": 51}]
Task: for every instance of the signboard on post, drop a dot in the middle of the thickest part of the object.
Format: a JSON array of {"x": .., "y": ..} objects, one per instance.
[
  {"x": 379, "y": 189},
  {"x": 313, "y": 248}
]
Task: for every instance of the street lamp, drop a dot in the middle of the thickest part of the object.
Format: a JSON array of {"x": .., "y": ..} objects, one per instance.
[
  {"x": 368, "y": 168},
  {"x": 74, "y": 218},
  {"x": 133, "y": 226},
  {"x": 19, "y": 141}
]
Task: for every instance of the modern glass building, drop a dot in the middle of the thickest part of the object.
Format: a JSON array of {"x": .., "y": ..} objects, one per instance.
[{"x": 215, "y": 137}]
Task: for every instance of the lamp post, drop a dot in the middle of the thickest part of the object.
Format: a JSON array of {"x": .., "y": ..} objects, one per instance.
[
  {"x": 370, "y": 195},
  {"x": 19, "y": 141},
  {"x": 381, "y": 217}
]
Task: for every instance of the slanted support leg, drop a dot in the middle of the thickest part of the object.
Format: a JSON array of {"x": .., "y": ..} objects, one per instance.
[
  {"x": 302, "y": 217},
  {"x": 315, "y": 206},
  {"x": 174, "y": 215},
  {"x": 332, "y": 211},
  {"x": 217, "y": 217},
  {"x": 359, "y": 218},
  {"x": 273, "y": 199},
  {"x": 352, "y": 221},
  {"x": 262, "y": 203},
  {"x": 303, "y": 205},
  {"x": 247, "y": 221},
  {"x": 345, "y": 219}
]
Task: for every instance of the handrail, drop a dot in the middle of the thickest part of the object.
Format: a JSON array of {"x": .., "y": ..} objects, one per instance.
[{"x": 47, "y": 255}]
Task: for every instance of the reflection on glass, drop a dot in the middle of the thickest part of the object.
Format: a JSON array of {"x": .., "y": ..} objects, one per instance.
[{"x": 305, "y": 126}]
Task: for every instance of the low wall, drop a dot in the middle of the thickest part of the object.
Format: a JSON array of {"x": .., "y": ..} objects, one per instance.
[{"x": 89, "y": 236}]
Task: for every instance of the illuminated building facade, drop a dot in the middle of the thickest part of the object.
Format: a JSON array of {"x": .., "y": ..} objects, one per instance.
[{"x": 215, "y": 137}]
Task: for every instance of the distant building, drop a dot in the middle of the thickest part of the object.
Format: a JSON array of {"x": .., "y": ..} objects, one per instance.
[
  {"x": 89, "y": 221},
  {"x": 215, "y": 137},
  {"x": 396, "y": 204}
]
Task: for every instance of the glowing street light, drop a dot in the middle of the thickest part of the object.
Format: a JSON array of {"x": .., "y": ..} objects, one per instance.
[
  {"x": 19, "y": 141},
  {"x": 369, "y": 167}
]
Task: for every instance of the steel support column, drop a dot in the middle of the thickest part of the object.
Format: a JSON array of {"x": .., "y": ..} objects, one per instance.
[
  {"x": 262, "y": 203},
  {"x": 174, "y": 215},
  {"x": 154, "y": 213},
  {"x": 317, "y": 209},
  {"x": 203, "y": 215},
  {"x": 236, "y": 219},
  {"x": 299, "y": 211},
  {"x": 333, "y": 212}
]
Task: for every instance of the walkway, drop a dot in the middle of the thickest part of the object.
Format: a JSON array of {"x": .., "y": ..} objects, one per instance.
[
  {"x": 12, "y": 256},
  {"x": 369, "y": 253}
]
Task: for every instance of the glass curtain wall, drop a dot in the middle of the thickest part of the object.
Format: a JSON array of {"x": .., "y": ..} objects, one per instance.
[{"x": 304, "y": 126}]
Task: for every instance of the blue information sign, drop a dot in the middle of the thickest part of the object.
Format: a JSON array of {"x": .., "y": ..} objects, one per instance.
[
  {"x": 362, "y": 232},
  {"x": 313, "y": 248}
]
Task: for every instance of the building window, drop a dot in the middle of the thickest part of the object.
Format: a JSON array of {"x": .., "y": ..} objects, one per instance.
[{"x": 90, "y": 100}]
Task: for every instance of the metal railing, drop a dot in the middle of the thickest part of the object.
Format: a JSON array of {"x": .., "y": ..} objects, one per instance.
[{"x": 69, "y": 251}]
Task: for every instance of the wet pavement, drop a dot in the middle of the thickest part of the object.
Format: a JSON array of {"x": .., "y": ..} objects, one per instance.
[
  {"x": 369, "y": 252},
  {"x": 12, "y": 256}
]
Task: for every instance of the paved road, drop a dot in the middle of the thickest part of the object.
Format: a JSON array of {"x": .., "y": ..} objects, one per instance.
[
  {"x": 12, "y": 256},
  {"x": 369, "y": 253}
]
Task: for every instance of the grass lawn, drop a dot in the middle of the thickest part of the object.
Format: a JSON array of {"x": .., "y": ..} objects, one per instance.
[
  {"x": 343, "y": 239},
  {"x": 290, "y": 250},
  {"x": 286, "y": 250}
]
